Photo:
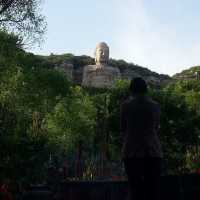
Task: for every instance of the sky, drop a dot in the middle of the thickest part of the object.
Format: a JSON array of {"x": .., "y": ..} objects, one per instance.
[{"x": 162, "y": 35}]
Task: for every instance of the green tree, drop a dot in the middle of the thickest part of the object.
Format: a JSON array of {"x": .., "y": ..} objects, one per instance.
[{"x": 71, "y": 125}]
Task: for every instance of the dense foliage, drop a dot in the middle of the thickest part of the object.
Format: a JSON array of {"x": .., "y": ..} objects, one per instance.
[{"x": 48, "y": 122}]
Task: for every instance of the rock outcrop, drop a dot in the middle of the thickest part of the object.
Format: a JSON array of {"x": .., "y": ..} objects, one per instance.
[{"x": 188, "y": 74}]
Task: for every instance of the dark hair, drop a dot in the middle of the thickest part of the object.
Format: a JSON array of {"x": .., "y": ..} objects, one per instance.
[{"x": 138, "y": 86}]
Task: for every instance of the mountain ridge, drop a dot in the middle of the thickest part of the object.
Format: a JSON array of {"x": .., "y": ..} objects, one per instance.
[
  {"x": 188, "y": 74},
  {"x": 73, "y": 66}
]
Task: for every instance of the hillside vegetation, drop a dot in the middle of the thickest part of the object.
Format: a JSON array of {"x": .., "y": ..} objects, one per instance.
[
  {"x": 47, "y": 120},
  {"x": 191, "y": 73},
  {"x": 128, "y": 70}
]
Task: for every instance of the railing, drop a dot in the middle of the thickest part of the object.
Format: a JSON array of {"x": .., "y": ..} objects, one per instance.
[{"x": 185, "y": 187}]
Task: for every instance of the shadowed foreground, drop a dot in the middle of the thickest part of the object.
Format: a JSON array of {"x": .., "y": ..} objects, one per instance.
[{"x": 186, "y": 187}]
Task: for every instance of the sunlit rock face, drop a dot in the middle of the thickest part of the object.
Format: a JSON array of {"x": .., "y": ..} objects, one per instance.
[{"x": 100, "y": 75}]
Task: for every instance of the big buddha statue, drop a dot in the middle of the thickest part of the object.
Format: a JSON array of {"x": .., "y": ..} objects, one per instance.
[{"x": 100, "y": 75}]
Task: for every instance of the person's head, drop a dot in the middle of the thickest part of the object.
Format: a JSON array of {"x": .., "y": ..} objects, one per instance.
[
  {"x": 102, "y": 53},
  {"x": 138, "y": 86}
]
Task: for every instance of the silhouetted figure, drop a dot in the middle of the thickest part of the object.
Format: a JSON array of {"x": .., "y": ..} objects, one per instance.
[{"x": 141, "y": 152}]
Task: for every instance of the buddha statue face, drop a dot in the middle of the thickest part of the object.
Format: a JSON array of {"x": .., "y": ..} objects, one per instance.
[{"x": 102, "y": 53}]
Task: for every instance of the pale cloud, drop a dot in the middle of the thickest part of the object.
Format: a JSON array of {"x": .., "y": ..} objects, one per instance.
[
  {"x": 143, "y": 40},
  {"x": 160, "y": 35}
]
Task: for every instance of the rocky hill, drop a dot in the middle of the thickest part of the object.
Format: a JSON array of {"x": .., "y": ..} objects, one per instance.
[
  {"x": 188, "y": 74},
  {"x": 73, "y": 66}
]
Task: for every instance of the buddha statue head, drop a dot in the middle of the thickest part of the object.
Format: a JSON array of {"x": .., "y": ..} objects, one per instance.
[{"x": 101, "y": 54}]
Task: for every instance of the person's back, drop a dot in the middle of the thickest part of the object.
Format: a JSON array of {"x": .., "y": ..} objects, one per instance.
[
  {"x": 142, "y": 151},
  {"x": 141, "y": 127}
]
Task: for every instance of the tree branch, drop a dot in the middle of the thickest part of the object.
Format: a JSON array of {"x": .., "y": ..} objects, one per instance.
[{"x": 5, "y": 5}]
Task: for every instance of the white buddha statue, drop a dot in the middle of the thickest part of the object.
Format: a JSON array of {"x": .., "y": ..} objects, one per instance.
[{"x": 100, "y": 75}]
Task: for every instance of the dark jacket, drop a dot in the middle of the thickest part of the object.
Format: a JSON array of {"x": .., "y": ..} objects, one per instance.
[{"x": 139, "y": 125}]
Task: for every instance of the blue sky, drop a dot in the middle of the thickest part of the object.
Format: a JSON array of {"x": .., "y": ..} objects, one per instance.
[{"x": 163, "y": 35}]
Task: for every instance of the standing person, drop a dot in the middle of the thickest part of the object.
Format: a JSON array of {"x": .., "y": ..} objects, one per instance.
[{"x": 141, "y": 151}]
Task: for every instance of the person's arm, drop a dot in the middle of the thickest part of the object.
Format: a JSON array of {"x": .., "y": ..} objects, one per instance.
[
  {"x": 123, "y": 121},
  {"x": 157, "y": 119}
]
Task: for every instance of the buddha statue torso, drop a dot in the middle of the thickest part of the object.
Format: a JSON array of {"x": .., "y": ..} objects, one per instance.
[
  {"x": 100, "y": 75},
  {"x": 104, "y": 76}
]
